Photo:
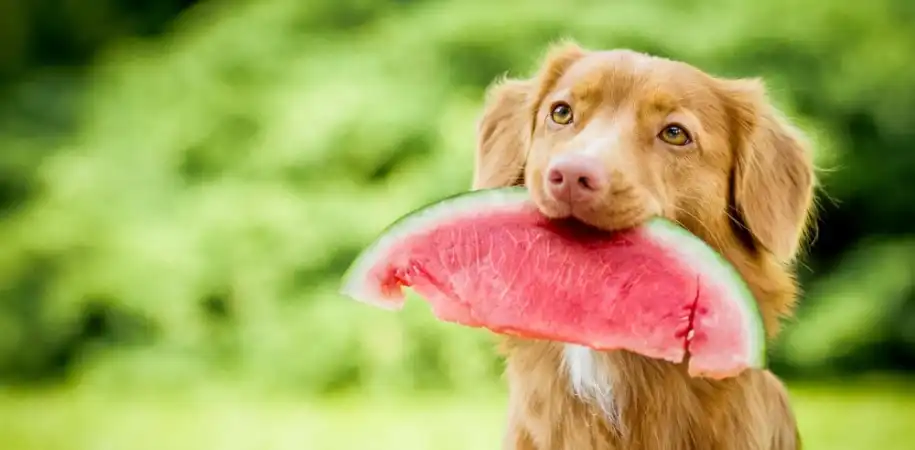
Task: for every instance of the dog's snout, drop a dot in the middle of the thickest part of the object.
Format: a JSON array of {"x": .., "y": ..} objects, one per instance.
[{"x": 575, "y": 178}]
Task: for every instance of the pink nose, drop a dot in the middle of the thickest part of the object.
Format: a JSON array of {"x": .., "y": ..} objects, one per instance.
[{"x": 574, "y": 178}]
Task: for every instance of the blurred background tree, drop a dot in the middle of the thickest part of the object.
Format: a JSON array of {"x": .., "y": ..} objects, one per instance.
[{"x": 182, "y": 183}]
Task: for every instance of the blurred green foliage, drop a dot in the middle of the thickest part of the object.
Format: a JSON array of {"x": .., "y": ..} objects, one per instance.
[{"x": 178, "y": 197}]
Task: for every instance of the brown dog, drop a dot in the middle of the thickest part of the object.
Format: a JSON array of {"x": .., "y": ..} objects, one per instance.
[{"x": 612, "y": 138}]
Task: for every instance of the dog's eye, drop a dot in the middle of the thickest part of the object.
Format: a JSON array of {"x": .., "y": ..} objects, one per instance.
[
  {"x": 561, "y": 113},
  {"x": 675, "y": 135}
]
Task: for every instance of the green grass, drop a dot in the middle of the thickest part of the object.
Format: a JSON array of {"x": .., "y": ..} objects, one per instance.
[{"x": 834, "y": 418}]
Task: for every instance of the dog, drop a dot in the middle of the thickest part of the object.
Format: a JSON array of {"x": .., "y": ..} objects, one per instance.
[{"x": 612, "y": 138}]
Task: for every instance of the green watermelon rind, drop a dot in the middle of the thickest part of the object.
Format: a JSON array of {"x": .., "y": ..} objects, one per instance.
[
  {"x": 696, "y": 251},
  {"x": 516, "y": 198}
]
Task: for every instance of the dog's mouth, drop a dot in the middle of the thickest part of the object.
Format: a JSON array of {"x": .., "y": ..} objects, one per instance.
[
  {"x": 624, "y": 206},
  {"x": 604, "y": 219}
]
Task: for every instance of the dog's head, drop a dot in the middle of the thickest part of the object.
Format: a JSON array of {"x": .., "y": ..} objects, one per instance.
[{"x": 613, "y": 138}]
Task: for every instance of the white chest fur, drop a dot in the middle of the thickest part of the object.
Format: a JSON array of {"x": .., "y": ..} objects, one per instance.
[{"x": 591, "y": 378}]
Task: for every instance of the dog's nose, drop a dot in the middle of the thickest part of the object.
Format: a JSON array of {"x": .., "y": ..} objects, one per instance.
[{"x": 575, "y": 178}]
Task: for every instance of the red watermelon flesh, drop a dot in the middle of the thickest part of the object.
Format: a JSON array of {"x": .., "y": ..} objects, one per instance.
[{"x": 490, "y": 259}]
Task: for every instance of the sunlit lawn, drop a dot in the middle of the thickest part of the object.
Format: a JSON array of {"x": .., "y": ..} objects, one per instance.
[{"x": 834, "y": 418}]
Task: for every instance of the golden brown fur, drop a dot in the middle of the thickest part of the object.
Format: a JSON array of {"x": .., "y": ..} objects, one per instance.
[{"x": 745, "y": 186}]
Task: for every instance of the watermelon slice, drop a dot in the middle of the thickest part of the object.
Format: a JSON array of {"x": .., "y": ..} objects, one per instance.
[{"x": 489, "y": 259}]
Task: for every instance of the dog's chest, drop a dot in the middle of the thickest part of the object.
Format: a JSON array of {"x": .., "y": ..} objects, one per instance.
[{"x": 591, "y": 378}]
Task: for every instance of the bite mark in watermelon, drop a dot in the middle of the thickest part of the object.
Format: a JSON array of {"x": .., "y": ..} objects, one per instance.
[{"x": 489, "y": 259}]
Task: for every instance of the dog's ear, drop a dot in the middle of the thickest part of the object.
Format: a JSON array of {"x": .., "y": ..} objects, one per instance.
[
  {"x": 504, "y": 131},
  {"x": 503, "y": 135},
  {"x": 773, "y": 177}
]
